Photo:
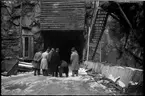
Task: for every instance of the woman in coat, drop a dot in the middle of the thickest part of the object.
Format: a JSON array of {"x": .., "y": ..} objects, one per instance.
[
  {"x": 44, "y": 63},
  {"x": 74, "y": 62}
]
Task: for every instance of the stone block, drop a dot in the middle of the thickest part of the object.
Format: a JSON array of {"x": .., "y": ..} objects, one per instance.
[
  {"x": 137, "y": 76},
  {"x": 97, "y": 68},
  {"x": 106, "y": 71},
  {"x": 89, "y": 64},
  {"x": 114, "y": 71}
]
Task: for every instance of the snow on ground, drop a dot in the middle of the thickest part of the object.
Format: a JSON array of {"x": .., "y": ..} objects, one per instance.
[{"x": 27, "y": 84}]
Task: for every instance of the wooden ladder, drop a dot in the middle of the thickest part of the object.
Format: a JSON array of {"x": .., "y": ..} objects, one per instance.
[{"x": 96, "y": 30}]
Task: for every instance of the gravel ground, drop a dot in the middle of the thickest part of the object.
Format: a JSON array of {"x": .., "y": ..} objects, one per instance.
[{"x": 27, "y": 84}]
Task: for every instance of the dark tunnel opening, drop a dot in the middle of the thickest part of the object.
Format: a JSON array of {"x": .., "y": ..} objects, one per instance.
[{"x": 64, "y": 40}]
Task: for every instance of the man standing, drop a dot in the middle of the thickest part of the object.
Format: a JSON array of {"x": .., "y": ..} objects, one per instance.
[
  {"x": 55, "y": 62},
  {"x": 74, "y": 62},
  {"x": 49, "y": 61},
  {"x": 57, "y": 57},
  {"x": 44, "y": 63},
  {"x": 36, "y": 62}
]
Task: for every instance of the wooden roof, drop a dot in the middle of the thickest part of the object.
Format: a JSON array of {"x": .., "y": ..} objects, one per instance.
[{"x": 62, "y": 15}]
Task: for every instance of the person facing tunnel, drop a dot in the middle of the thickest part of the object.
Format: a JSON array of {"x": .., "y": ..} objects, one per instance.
[
  {"x": 44, "y": 63},
  {"x": 54, "y": 62},
  {"x": 36, "y": 62},
  {"x": 74, "y": 61}
]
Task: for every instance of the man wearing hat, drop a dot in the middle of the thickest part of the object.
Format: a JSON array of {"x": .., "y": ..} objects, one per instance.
[{"x": 74, "y": 62}]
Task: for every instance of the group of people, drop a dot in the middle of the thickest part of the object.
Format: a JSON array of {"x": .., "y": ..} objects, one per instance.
[{"x": 50, "y": 64}]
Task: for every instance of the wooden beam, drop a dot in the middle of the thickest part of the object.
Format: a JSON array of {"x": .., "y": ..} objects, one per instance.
[{"x": 124, "y": 16}]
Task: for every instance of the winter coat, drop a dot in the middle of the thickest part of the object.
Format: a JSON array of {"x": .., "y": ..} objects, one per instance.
[
  {"x": 36, "y": 60},
  {"x": 49, "y": 58},
  {"x": 74, "y": 60},
  {"x": 44, "y": 63},
  {"x": 55, "y": 61},
  {"x": 64, "y": 64}
]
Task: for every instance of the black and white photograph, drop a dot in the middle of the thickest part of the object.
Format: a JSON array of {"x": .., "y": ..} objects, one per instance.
[{"x": 72, "y": 47}]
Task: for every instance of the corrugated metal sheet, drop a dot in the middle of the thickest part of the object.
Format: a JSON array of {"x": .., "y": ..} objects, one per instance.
[{"x": 62, "y": 15}]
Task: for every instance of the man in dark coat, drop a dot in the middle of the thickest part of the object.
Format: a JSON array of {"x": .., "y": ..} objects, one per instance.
[
  {"x": 49, "y": 61},
  {"x": 36, "y": 62},
  {"x": 55, "y": 62}
]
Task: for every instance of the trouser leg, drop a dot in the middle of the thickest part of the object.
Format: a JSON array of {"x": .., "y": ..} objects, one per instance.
[
  {"x": 43, "y": 71},
  {"x": 34, "y": 71},
  {"x": 73, "y": 72},
  {"x": 52, "y": 72},
  {"x": 67, "y": 71},
  {"x": 56, "y": 72},
  {"x": 60, "y": 71},
  {"x": 76, "y": 72},
  {"x": 38, "y": 70},
  {"x": 46, "y": 72}
]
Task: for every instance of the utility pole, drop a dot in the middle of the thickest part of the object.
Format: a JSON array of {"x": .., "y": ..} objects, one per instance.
[
  {"x": 21, "y": 44},
  {"x": 88, "y": 43}
]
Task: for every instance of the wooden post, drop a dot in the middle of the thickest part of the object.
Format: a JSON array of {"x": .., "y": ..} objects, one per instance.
[
  {"x": 90, "y": 28},
  {"x": 100, "y": 51},
  {"x": 88, "y": 44},
  {"x": 21, "y": 43}
]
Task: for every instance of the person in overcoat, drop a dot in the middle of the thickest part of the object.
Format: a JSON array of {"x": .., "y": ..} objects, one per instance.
[
  {"x": 55, "y": 62},
  {"x": 48, "y": 61},
  {"x": 74, "y": 61},
  {"x": 36, "y": 62},
  {"x": 44, "y": 63}
]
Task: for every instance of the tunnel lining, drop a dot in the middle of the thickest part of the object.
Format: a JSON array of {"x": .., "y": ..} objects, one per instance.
[{"x": 64, "y": 40}]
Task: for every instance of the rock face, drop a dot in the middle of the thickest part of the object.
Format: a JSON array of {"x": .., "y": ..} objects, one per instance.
[
  {"x": 111, "y": 47},
  {"x": 12, "y": 41},
  {"x": 11, "y": 44}
]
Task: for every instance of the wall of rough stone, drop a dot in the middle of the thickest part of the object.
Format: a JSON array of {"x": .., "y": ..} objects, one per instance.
[
  {"x": 110, "y": 43},
  {"x": 11, "y": 33}
]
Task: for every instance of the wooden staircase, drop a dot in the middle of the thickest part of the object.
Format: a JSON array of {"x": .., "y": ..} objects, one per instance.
[{"x": 96, "y": 31}]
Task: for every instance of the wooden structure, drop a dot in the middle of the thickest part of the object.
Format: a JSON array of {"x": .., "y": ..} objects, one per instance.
[
  {"x": 96, "y": 30},
  {"x": 62, "y": 15}
]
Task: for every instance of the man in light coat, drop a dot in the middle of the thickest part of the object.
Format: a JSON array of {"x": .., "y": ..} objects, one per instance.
[
  {"x": 36, "y": 62},
  {"x": 74, "y": 62},
  {"x": 44, "y": 63}
]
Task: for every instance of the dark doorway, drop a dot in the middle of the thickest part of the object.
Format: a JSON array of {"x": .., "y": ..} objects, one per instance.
[{"x": 64, "y": 40}]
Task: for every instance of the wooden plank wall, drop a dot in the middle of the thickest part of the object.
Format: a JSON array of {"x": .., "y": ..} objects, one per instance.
[{"x": 62, "y": 15}]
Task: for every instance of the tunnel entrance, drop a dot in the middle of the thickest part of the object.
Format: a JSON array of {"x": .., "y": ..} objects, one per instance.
[{"x": 64, "y": 40}]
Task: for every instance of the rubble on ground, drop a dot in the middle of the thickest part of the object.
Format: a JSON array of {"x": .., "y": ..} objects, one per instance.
[{"x": 116, "y": 77}]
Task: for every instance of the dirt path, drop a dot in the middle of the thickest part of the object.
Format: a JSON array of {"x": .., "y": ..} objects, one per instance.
[{"x": 27, "y": 84}]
